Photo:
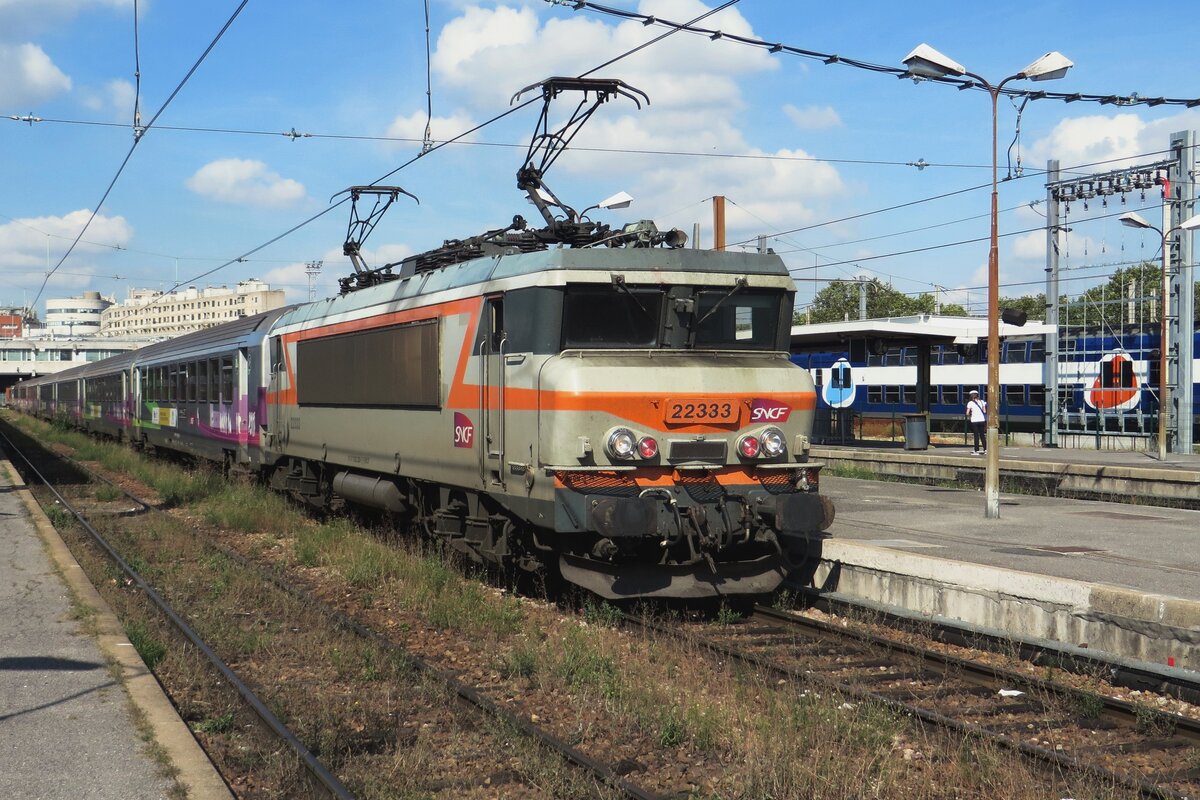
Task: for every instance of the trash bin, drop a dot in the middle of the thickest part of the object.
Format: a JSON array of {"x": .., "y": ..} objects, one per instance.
[{"x": 916, "y": 431}]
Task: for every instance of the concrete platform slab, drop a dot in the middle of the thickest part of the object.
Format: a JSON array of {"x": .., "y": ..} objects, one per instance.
[
  {"x": 69, "y": 694},
  {"x": 1121, "y": 578}
]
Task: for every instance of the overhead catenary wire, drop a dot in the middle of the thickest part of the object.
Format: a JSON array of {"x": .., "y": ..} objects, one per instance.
[
  {"x": 438, "y": 146},
  {"x": 293, "y": 134},
  {"x": 136, "y": 141},
  {"x": 898, "y": 72}
]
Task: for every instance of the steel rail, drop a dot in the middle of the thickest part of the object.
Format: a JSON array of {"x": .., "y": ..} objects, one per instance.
[
  {"x": 1145, "y": 789},
  {"x": 314, "y": 766},
  {"x": 471, "y": 696},
  {"x": 1119, "y": 671}
]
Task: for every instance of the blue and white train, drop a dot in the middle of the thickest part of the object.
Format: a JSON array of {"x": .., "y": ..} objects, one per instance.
[{"x": 1107, "y": 381}]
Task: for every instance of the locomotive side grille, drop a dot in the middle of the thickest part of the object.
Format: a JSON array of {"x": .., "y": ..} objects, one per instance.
[
  {"x": 599, "y": 483},
  {"x": 777, "y": 481},
  {"x": 697, "y": 450},
  {"x": 702, "y": 488}
]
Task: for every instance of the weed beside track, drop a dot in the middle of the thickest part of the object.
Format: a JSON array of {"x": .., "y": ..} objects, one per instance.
[{"x": 667, "y": 713}]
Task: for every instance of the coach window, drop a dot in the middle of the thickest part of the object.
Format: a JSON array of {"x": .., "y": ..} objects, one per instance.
[
  {"x": 214, "y": 380},
  {"x": 171, "y": 380},
  {"x": 909, "y": 393},
  {"x": 1014, "y": 394},
  {"x": 1037, "y": 352},
  {"x": 190, "y": 381},
  {"x": 909, "y": 357},
  {"x": 1015, "y": 353},
  {"x": 227, "y": 379},
  {"x": 891, "y": 394},
  {"x": 202, "y": 381},
  {"x": 892, "y": 358},
  {"x": 951, "y": 395},
  {"x": 1037, "y": 396},
  {"x": 875, "y": 394}
]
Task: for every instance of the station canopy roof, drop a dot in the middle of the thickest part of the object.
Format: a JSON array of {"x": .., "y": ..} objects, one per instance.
[{"x": 901, "y": 331}]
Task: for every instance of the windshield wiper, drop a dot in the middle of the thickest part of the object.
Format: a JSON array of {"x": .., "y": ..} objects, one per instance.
[
  {"x": 618, "y": 281},
  {"x": 739, "y": 284}
]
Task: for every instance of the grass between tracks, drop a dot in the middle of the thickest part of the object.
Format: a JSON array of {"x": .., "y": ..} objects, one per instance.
[{"x": 669, "y": 714}]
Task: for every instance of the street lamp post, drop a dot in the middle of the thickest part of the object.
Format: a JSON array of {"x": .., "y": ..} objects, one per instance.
[
  {"x": 925, "y": 62},
  {"x": 1135, "y": 220}
]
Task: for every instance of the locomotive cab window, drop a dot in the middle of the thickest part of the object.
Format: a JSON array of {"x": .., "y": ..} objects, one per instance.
[
  {"x": 745, "y": 320},
  {"x": 608, "y": 316}
]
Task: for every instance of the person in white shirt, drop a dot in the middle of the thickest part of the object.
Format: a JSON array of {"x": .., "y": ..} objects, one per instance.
[{"x": 977, "y": 414}]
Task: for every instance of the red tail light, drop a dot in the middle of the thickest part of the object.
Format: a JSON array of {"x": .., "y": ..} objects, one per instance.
[
  {"x": 648, "y": 447},
  {"x": 748, "y": 446}
]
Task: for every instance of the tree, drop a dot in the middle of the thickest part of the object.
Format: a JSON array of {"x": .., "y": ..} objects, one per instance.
[
  {"x": 1131, "y": 296},
  {"x": 839, "y": 301},
  {"x": 1034, "y": 305}
]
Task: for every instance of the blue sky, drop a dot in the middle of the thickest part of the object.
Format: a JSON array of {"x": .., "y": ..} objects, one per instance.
[{"x": 792, "y": 143}]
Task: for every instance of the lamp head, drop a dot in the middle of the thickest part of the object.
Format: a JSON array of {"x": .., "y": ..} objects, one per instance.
[
  {"x": 1132, "y": 219},
  {"x": 618, "y": 200},
  {"x": 1049, "y": 67},
  {"x": 1190, "y": 224},
  {"x": 925, "y": 62}
]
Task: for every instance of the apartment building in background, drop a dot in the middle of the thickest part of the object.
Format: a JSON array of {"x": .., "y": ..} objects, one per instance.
[{"x": 149, "y": 312}]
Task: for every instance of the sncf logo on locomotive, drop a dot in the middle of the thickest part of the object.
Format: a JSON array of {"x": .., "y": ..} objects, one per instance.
[
  {"x": 764, "y": 410},
  {"x": 464, "y": 431}
]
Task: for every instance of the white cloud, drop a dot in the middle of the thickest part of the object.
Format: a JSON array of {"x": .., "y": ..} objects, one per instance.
[
  {"x": 114, "y": 100},
  {"x": 27, "y": 75},
  {"x": 813, "y": 117},
  {"x": 441, "y": 128},
  {"x": 1109, "y": 142},
  {"x": 24, "y": 241},
  {"x": 294, "y": 281},
  {"x": 695, "y": 107},
  {"x": 245, "y": 182},
  {"x": 31, "y": 245},
  {"x": 507, "y": 46},
  {"x": 26, "y": 17},
  {"x": 1030, "y": 246}
]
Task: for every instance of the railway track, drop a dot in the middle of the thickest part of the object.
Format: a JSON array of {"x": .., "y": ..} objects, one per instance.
[
  {"x": 1148, "y": 752},
  {"x": 863, "y": 674},
  {"x": 319, "y": 775}
]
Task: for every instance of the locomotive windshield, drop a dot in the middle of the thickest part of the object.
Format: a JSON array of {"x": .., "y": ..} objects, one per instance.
[
  {"x": 608, "y": 317},
  {"x": 742, "y": 320},
  {"x": 671, "y": 317}
]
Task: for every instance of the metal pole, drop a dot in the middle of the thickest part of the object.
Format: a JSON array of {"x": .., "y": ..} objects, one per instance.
[
  {"x": 1050, "y": 369},
  {"x": 1183, "y": 208},
  {"x": 992, "y": 472},
  {"x": 1163, "y": 386}
]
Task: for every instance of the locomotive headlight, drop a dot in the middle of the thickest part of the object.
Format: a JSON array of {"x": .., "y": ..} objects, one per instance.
[
  {"x": 748, "y": 446},
  {"x": 772, "y": 442},
  {"x": 621, "y": 443}
]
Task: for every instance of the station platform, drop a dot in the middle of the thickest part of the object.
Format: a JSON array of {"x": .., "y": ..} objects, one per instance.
[
  {"x": 1112, "y": 576},
  {"x": 1119, "y": 475},
  {"x": 78, "y": 708}
]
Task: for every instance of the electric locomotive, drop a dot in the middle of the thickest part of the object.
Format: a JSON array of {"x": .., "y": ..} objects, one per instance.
[
  {"x": 605, "y": 406},
  {"x": 628, "y": 415}
]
